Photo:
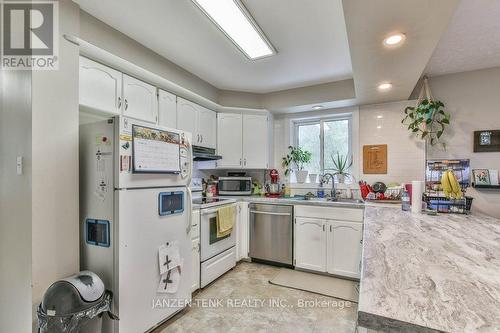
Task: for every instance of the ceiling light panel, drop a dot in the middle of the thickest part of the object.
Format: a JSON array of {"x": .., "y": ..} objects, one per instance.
[{"x": 232, "y": 18}]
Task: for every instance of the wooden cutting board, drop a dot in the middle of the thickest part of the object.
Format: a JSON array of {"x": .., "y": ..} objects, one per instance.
[{"x": 375, "y": 159}]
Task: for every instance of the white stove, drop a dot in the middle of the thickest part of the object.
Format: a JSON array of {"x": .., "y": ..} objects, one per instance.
[{"x": 218, "y": 254}]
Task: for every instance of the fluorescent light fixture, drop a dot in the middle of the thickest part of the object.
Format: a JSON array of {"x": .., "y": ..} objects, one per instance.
[
  {"x": 385, "y": 86},
  {"x": 394, "y": 39},
  {"x": 232, "y": 18},
  {"x": 317, "y": 107}
]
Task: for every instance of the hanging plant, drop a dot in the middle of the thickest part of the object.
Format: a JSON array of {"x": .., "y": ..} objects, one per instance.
[{"x": 427, "y": 120}]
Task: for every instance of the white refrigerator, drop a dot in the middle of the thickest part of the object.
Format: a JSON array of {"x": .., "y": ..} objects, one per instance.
[{"x": 135, "y": 206}]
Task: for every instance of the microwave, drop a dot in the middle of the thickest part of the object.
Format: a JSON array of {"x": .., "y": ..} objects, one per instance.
[{"x": 235, "y": 186}]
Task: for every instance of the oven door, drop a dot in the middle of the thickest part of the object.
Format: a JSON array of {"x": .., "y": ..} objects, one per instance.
[{"x": 211, "y": 245}]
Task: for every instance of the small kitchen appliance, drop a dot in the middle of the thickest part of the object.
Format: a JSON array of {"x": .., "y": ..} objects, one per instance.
[
  {"x": 235, "y": 185},
  {"x": 273, "y": 189}
]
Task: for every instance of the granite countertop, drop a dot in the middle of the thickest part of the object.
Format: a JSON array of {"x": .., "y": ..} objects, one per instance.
[
  {"x": 429, "y": 273},
  {"x": 296, "y": 201}
]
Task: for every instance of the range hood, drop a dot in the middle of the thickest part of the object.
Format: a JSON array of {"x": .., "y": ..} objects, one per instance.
[{"x": 204, "y": 154}]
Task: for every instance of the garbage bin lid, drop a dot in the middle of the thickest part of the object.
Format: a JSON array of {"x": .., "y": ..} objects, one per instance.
[
  {"x": 89, "y": 285},
  {"x": 73, "y": 294}
]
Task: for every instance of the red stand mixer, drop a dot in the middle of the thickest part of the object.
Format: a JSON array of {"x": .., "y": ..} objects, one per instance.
[{"x": 273, "y": 189}]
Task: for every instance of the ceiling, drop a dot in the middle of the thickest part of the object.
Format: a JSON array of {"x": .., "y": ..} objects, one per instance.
[
  {"x": 310, "y": 38},
  {"x": 472, "y": 40},
  {"x": 369, "y": 22}
]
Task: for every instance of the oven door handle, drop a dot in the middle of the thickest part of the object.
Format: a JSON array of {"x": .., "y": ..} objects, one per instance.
[
  {"x": 269, "y": 213},
  {"x": 206, "y": 211}
]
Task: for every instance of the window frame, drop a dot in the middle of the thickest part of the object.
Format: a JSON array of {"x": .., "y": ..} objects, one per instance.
[{"x": 321, "y": 122}]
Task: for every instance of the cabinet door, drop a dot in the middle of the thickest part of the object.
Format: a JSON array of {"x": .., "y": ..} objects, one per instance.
[
  {"x": 187, "y": 116},
  {"x": 139, "y": 100},
  {"x": 255, "y": 142},
  {"x": 310, "y": 244},
  {"x": 195, "y": 252},
  {"x": 207, "y": 127},
  {"x": 344, "y": 248},
  {"x": 167, "y": 109},
  {"x": 229, "y": 140},
  {"x": 100, "y": 87},
  {"x": 243, "y": 231}
]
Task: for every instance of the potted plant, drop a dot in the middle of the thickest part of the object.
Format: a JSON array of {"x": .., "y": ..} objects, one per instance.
[
  {"x": 297, "y": 157},
  {"x": 427, "y": 119},
  {"x": 341, "y": 164}
]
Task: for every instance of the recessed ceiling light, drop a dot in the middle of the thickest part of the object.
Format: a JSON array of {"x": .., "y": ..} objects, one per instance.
[
  {"x": 317, "y": 107},
  {"x": 232, "y": 18},
  {"x": 379, "y": 127},
  {"x": 380, "y": 116},
  {"x": 394, "y": 39},
  {"x": 384, "y": 86}
]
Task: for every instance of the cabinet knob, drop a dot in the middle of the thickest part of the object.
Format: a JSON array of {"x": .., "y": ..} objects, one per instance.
[
  {"x": 119, "y": 102},
  {"x": 126, "y": 104}
]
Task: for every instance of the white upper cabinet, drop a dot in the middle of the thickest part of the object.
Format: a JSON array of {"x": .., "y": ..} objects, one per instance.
[
  {"x": 255, "y": 142},
  {"x": 100, "y": 87},
  {"x": 200, "y": 121},
  {"x": 310, "y": 244},
  {"x": 207, "y": 127},
  {"x": 139, "y": 100},
  {"x": 167, "y": 109},
  {"x": 187, "y": 116},
  {"x": 344, "y": 248},
  {"x": 243, "y": 141},
  {"x": 230, "y": 140}
]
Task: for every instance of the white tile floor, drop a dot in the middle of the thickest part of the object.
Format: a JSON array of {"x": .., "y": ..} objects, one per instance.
[{"x": 248, "y": 282}]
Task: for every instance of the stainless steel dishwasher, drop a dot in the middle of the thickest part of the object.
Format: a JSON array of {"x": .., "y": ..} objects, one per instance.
[{"x": 271, "y": 234}]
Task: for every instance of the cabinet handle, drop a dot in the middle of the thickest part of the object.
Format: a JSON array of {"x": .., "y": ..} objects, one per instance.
[
  {"x": 240, "y": 161},
  {"x": 245, "y": 162},
  {"x": 197, "y": 138},
  {"x": 126, "y": 104},
  {"x": 201, "y": 137},
  {"x": 330, "y": 228},
  {"x": 119, "y": 102},
  {"x": 323, "y": 227}
]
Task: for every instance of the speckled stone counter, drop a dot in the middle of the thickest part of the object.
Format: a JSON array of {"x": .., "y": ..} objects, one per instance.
[{"x": 429, "y": 273}]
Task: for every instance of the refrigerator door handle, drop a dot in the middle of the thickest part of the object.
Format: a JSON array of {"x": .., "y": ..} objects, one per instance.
[{"x": 190, "y": 213}]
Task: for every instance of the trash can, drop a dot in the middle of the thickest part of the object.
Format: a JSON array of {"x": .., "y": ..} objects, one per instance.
[{"x": 74, "y": 304}]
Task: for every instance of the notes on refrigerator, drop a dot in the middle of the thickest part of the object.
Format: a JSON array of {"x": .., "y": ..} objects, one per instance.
[{"x": 170, "y": 267}]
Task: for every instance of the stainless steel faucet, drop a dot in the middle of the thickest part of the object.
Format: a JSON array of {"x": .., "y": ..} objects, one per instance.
[{"x": 326, "y": 178}]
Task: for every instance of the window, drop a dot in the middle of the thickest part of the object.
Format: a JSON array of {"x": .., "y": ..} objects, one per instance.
[{"x": 323, "y": 138}]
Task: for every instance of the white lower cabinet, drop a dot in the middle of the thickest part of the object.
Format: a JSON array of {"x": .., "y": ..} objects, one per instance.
[
  {"x": 344, "y": 248},
  {"x": 242, "y": 235},
  {"x": 310, "y": 244},
  {"x": 328, "y": 246},
  {"x": 195, "y": 252}
]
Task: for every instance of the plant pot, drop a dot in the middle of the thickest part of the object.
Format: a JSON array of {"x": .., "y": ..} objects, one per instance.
[
  {"x": 301, "y": 176},
  {"x": 341, "y": 178},
  {"x": 313, "y": 177}
]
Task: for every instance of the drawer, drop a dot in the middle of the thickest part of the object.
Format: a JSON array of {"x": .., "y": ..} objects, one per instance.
[
  {"x": 218, "y": 265},
  {"x": 195, "y": 224},
  {"x": 330, "y": 213}
]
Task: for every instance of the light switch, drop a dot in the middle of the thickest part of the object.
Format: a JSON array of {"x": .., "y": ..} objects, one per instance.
[{"x": 19, "y": 165}]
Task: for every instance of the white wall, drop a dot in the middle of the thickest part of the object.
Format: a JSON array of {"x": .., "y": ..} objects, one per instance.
[
  {"x": 381, "y": 124},
  {"x": 15, "y": 202},
  {"x": 55, "y": 229},
  {"x": 473, "y": 99}
]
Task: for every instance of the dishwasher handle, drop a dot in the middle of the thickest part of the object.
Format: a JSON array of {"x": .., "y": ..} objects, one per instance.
[{"x": 269, "y": 213}]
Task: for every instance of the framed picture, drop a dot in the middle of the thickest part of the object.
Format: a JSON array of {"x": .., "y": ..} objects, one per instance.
[{"x": 481, "y": 176}]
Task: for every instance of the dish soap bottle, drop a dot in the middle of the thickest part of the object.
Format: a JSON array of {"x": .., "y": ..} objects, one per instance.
[{"x": 405, "y": 201}]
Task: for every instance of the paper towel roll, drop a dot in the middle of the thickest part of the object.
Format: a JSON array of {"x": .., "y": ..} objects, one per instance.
[{"x": 417, "y": 189}]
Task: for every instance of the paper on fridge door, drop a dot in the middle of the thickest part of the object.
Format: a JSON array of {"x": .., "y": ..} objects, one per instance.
[
  {"x": 169, "y": 256},
  {"x": 169, "y": 282}
]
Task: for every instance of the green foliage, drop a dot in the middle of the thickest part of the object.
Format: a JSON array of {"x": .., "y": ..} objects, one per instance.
[
  {"x": 341, "y": 163},
  {"x": 427, "y": 120},
  {"x": 296, "y": 156}
]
